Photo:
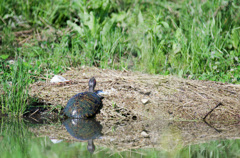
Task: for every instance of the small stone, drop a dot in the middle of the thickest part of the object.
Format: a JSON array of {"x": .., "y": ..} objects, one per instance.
[
  {"x": 144, "y": 134},
  {"x": 145, "y": 101}
]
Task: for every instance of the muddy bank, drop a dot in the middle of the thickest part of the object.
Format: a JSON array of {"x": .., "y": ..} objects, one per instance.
[{"x": 136, "y": 96}]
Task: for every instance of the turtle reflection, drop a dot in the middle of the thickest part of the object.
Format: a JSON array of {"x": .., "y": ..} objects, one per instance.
[{"x": 84, "y": 129}]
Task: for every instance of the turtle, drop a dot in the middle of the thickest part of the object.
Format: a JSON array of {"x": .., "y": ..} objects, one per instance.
[
  {"x": 85, "y": 104},
  {"x": 84, "y": 129}
]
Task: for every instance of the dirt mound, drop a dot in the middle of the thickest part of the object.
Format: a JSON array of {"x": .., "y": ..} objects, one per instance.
[{"x": 137, "y": 96}]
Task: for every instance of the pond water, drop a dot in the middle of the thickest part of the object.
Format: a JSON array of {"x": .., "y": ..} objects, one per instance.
[{"x": 90, "y": 138}]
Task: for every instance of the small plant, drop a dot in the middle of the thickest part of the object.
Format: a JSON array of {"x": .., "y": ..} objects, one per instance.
[{"x": 114, "y": 104}]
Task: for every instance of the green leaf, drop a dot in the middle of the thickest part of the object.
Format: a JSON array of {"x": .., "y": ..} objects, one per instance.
[
  {"x": 119, "y": 17},
  {"x": 4, "y": 56},
  {"x": 107, "y": 27},
  {"x": 92, "y": 23},
  {"x": 165, "y": 24}
]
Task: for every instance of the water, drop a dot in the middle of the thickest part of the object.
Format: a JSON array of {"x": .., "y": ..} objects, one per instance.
[{"x": 91, "y": 138}]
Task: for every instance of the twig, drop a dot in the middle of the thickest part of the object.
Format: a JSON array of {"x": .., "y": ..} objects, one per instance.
[
  {"x": 219, "y": 131},
  {"x": 212, "y": 110},
  {"x": 34, "y": 112},
  {"x": 45, "y": 23},
  {"x": 34, "y": 119},
  {"x": 26, "y": 39},
  {"x": 19, "y": 33}
]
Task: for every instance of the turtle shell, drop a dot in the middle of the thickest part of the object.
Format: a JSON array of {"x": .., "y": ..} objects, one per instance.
[
  {"x": 83, "y": 105},
  {"x": 83, "y": 129}
]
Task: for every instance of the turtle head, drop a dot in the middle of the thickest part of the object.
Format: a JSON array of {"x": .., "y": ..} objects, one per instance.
[{"x": 92, "y": 84}]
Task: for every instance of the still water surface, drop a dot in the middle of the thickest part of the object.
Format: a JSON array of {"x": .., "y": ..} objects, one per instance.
[{"x": 90, "y": 138}]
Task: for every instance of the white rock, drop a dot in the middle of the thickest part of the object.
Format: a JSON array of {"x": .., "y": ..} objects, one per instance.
[
  {"x": 57, "y": 79},
  {"x": 144, "y": 134},
  {"x": 145, "y": 101}
]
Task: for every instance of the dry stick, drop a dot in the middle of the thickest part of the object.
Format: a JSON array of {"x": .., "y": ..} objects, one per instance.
[
  {"x": 212, "y": 110},
  {"x": 3, "y": 20},
  {"x": 19, "y": 33},
  {"x": 219, "y": 131},
  {"x": 34, "y": 112},
  {"x": 26, "y": 39}
]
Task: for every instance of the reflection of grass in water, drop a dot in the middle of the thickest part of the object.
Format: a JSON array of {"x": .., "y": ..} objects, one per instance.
[
  {"x": 17, "y": 141},
  {"x": 214, "y": 149},
  {"x": 218, "y": 148},
  {"x": 14, "y": 137}
]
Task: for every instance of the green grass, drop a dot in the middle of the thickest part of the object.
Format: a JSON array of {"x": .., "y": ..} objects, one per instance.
[
  {"x": 191, "y": 39},
  {"x": 15, "y": 81}
]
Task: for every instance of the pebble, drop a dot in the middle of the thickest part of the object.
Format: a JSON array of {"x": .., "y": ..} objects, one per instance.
[
  {"x": 144, "y": 134},
  {"x": 145, "y": 101}
]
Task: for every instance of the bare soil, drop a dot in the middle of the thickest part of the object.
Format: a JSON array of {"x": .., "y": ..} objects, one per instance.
[{"x": 137, "y": 96}]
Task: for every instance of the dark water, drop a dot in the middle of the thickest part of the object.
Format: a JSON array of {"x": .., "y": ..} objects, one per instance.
[{"x": 91, "y": 138}]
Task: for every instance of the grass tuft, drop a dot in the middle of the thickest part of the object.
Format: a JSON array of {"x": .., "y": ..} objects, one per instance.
[{"x": 14, "y": 99}]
